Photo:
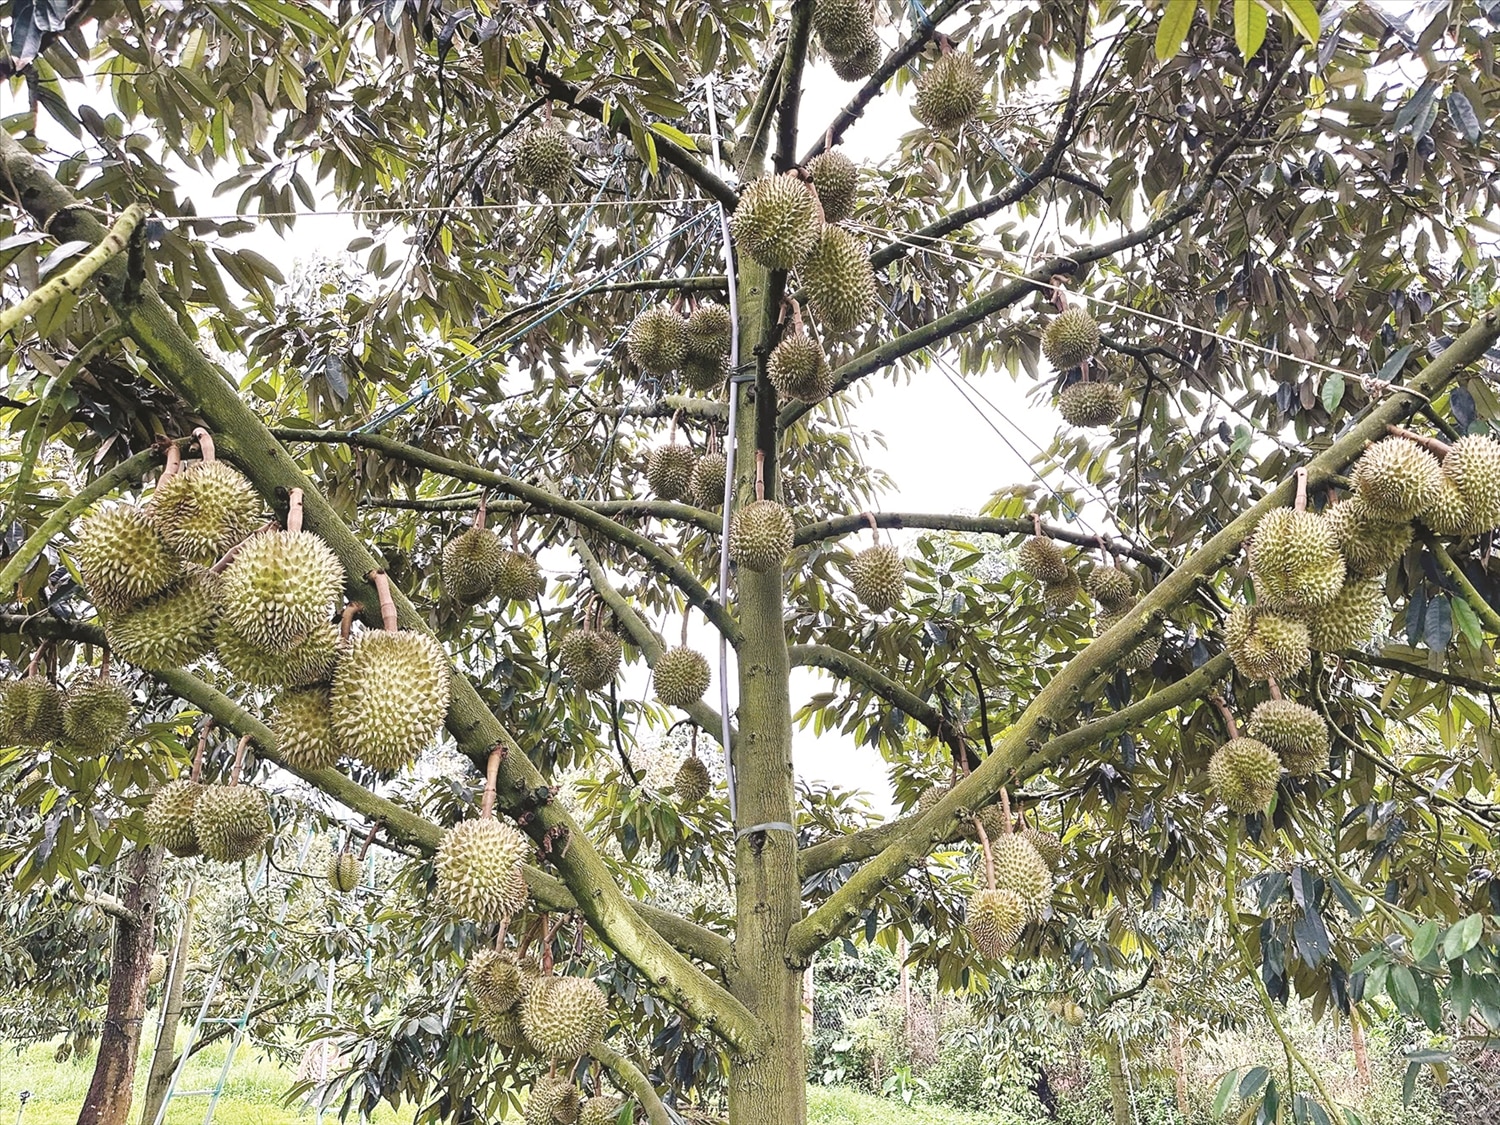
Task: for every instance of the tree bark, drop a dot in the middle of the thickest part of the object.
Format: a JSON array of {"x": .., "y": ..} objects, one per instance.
[
  {"x": 1119, "y": 1084},
  {"x": 108, "y": 1100},
  {"x": 1179, "y": 1069},
  {"x": 164, "y": 1054},
  {"x": 1357, "y": 1038}
]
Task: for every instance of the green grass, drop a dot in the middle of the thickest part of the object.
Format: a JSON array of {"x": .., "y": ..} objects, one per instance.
[{"x": 839, "y": 1105}]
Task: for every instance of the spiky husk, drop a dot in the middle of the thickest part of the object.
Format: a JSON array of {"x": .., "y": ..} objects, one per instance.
[
  {"x": 518, "y": 578},
  {"x": 991, "y": 818},
  {"x": 1071, "y": 337},
  {"x": 710, "y": 331},
  {"x": 204, "y": 510},
  {"x": 1350, "y": 620},
  {"x": 707, "y": 482},
  {"x": 232, "y": 822},
  {"x": 123, "y": 559},
  {"x": 95, "y": 714},
  {"x": 564, "y": 1017},
  {"x": 840, "y": 281},
  {"x": 658, "y": 340},
  {"x": 842, "y": 25},
  {"x": 343, "y": 872},
  {"x": 168, "y": 819},
  {"x": 1061, "y": 596},
  {"x": 1264, "y": 644},
  {"x": 31, "y": 712},
  {"x": 494, "y": 980},
  {"x": 171, "y": 629},
  {"x": 544, "y": 159},
  {"x": 158, "y": 971},
  {"x": 835, "y": 179},
  {"x": 777, "y": 221},
  {"x": 591, "y": 657},
  {"x": 1019, "y": 867},
  {"x": 1473, "y": 464},
  {"x": 302, "y": 723},
  {"x": 1143, "y": 655},
  {"x": 1112, "y": 587},
  {"x": 994, "y": 920},
  {"x": 705, "y": 374},
  {"x": 1298, "y": 734},
  {"x": 861, "y": 62},
  {"x": 949, "y": 93},
  {"x": 1091, "y": 404},
  {"x": 1048, "y": 846},
  {"x": 799, "y": 369},
  {"x": 503, "y": 1028},
  {"x": 760, "y": 536},
  {"x": 681, "y": 676},
  {"x": 1041, "y": 558},
  {"x": 280, "y": 587},
  {"x": 669, "y": 470},
  {"x": 878, "y": 576},
  {"x": 1295, "y": 561},
  {"x": 601, "y": 1110},
  {"x": 1244, "y": 773},
  {"x": 390, "y": 697},
  {"x": 553, "y": 1101},
  {"x": 1370, "y": 546},
  {"x": 310, "y": 660},
  {"x": 1449, "y": 512},
  {"x": 1397, "y": 478},
  {"x": 471, "y": 560},
  {"x": 692, "y": 782},
  {"x": 477, "y": 863}
]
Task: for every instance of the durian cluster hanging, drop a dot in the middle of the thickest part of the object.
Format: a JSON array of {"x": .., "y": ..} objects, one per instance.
[
  {"x": 846, "y": 32},
  {"x": 662, "y": 342},
  {"x": 590, "y": 654},
  {"x": 90, "y": 718},
  {"x": 877, "y": 573},
  {"x": 227, "y": 823},
  {"x": 480, "y": 863},
  {"x": 478, "y": 566},
  {"x": 1018, "y": 882}
]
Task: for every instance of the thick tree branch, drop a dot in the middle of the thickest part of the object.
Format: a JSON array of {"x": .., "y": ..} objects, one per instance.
[
  {"x": 75, "y": 277},
  {"x": 113, "y": 907},
  {"x": 1421, "y": 671},
  {"x": 660, "y": 509},
  {"x": 710, "y": 283},
  {"x": 633, "y": 1082},
  {"x": 799, "y": 38},
  {"x": 1485, "y": 612}
]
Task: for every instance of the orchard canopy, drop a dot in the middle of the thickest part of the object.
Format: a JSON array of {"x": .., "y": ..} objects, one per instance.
[{"x": 558, "y": 465}]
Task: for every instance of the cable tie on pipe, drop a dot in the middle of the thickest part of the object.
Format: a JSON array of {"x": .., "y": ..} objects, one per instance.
[{"x": 769, "y": 826}]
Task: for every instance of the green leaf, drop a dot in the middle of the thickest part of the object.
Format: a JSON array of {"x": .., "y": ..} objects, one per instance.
[
  {"x": 1424, "y": 940},
  {"x": 1467, "y": 622},
  {"x": 1304, "y": 17},
  {"x": 1403, "y": 989},
  {"x": 1250, "y": 22},
  {"x": 1463, "y": 937},
  {"x": 1225, "y": 1094},
  {"x": 1176, "y": 19},
  {"x": 1333, "y": 389}
]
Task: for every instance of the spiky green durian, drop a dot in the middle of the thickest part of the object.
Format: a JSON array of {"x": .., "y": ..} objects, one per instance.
[
  {"x": 494, "y": 980},
  {"x": 302, "y": 723},
  {"x": 710, "y": 331},
  {"x": 1144, "y": 653},
  {"x": 1019, "y": 867},
  {"x": 860, "y": 62},
  {"x": 1264, "y": 644},
  {"x": 1449, "y": 512},
  {"x": 1473, "y": 464},
  {"x": 470, "y": 561},
  {"x": 799, "y": 369},
  {"x": 504, "y": 1028},
  {"x": 835, "y": 179},
  {"x": 232, "y": 822},
  {"x": 591, "y": 657},
  {"x": 777, "y": 221},
  {"x": 1350, "y": 620},
  {"x": 1041, "y": 558},
  {"x": 1370, "y": 546},
  {"x": 601, "y": 1110},
  {"x": 681, "y": 676},
  {"x": 544, "y": 159},
  {"x": 390, "y": 697},
  {"x": 1071, "y": 337},
  {"x": 310, "y": 660},
  {"x": 158, "y": 970},
  {"x": 477, "y": 863},
  {"x": 204, "y": 510},
  {"x": 692, "y": 782},
  {"x": 1091, "y": 404},
  {"x": 1295, "y": 561},
  {"x": 172, "y": 628},
  {"x": 1048, "y": 846},
  {"x": 1244, "y": 773},
  {"x": 95, "y": 714},
  {"x": 879, "y": 577},
  {"x": 1112, "y": 587},
  {"x": 658, "y": 340},
  {"x": 761, "y": 535},
  {"x": 123, "y": 559},
  {"x": 949, "y": 93},
  {"x": 842, "y": 25},
  {"x": 1397, "y": 478},
  {"x": 705, "y": 374},
  {"x": 31, "y": 711},
  {"x": 343, "y": 872},
  {"x": 840, "y": 281},
  {"x": 707, "y": 483},
  {"x": 553, "y": 1101},
  {"x": 280, "y": 587},
  {"x": 994, "y": 920},
  {"x": 564, "y": 1017},
  {"x": 518, "y": 578},
  {"x": 669, "y": 470},
  {"x": 169, "y": 817},
  {"x": 1298, "y": 734},
  {"x": 1059, "y": 596}
]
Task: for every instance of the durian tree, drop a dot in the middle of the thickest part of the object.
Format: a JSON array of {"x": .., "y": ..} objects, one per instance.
[{"x": 613, "y": 282}]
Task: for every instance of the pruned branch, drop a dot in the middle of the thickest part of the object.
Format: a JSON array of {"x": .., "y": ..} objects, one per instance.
[{"x": 113, "y": 907}]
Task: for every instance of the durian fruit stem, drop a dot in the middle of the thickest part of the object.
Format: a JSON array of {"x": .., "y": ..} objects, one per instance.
[
  {"x": 205, "y": 442},
  {"x": 479, "y": 512},
  {"x": 364, "y": 848},
  {"x": 346, "y": 622},
  {"x": 197, "y": 773},
  {"x": 989, "y": 855},
  {"x": 239, "y": 760},
  {"x": 672, "y": 429},
  {"x": 874, "y": 525},
  {"x": 1229, "y": 723},
  {"x": 387, "y": 604},
  {"x": 294, "y": 510},
  {"x": 229, "y": 555},
  {"x": 1431, "y": 444},
  {"x": 104, "y": 665},
  {"x": 173, "y": 465},
  {"x": 1006, "y": 822},
  {"x": 491, "y": 779},
  {"x": 1036, "y": 524},
  {"x": 36, "y": 658},
  {"x": 693, "y": 742},
  {"x": 686, "y": 616},
  {"x": 1301, "y": 502},
  {"x": 1274, "y": 686},
  {"x": 501, "y": 931},
  {"x": 760, "y": 474}
]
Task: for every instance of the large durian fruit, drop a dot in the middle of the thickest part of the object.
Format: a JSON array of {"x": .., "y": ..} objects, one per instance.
[
  {"x": 681, "y": 676},
  {"x": 693, "y": 782},
  {"x": 343, "y": 872},
  {"x": 1071, "y": 337},
  {"x": 1047, "y": 845},
  {"x": 761, "y": 535},
  {"x": 1295, "y": 561},
  {"x": 835, "y": 179},
  {"x": 1041, "y": 558},
  {"x": 879, "y": 577},
  {"x": 280, "y": 586},
  {"x": 170, "y": 629},
  {"x": 860, "y": 62},
  {"x": 1350, "y": 619},
  {"x": 518, "y": 578},
  {"x": 96, "y": 713},
  {"x": 158, "y": 970},
  {"x": 1473, "y": 465},
  {"x": 669, "y": 470},
  {"x": 798, "y": 368},
  {"x": 478, "y": 864},
  {"x": 591, "y": 657},
  {"x": 1244, "y": 773},
  {"x": 564, "y": 1017},
  {"x": 840, "y": 281},
  {"x": 1113, "y": 587},
  {"x": 777, "y": 221},
  {"x": 1020, "y": 868},
  {"x": 1266, "y": 645},
  {"x": 302, "y": 724},
  {"x": 232, "y": 822},
  {"x": 310, "y": 660},
  {"x": 494, "y": 980},
  {"x": 842, "y": 26},
  {"x": 544, "y": 159},
  {"x": 204, "y": 510},
  {"x": 1370, "y": 546},
  {"x": 949, "y": 93},
  {"x": 31, "y": 711},
  {"x": 553, "y": 1100},
  {"x": 168, "y": 818},
  {"x": 390, "y": 697},
  {"x": 710, "y": 334},
  {"x": 658, "y": 340},
  {"x": 123, "y": 558},
  {"x": 994, "y": 919},
  {"x": 471, "y": 562},
  {"x": 1397, "y": 479},
  {"x": 1449, "y": 512},
  {"x": 1087, "y": 404},
  {"x": 1298, "y": 735},
  {"x": 707, "y": 482},
  {"x": 601, "y": 1110}
]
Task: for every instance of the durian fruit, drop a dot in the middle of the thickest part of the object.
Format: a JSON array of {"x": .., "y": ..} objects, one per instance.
[
  {"x": 994, "y": 919},
  {"x": 798, "y": 368},
  {"x": 1473, "y": 464},
  {"x": 681, "y": 676},
  {"x": 554, "y": 1101},
  {"x": 302, "y": 724},
  {"x": 204, "y": 510},
  {"x": 1298, "y": 735},
  {"x": 471, "y": 560},
  {"x": 390, "y": 697},
  {"x": 841, "y": 25},
  {"x": 170, "y": 629},
  {"x": 1112, "y": 587},
  {"x": 949, "y": 93},
  {"x": 707, "y": 482},
  {"x": 503, "y": 1028},
  {"x": 1397, "y": 479},
  {"x": 232, "y": 822},
  {"x": 123, "y": 558},
  {"x": 1266, "y": 645},
  {"x": 658, "y": 340},
  {"x": 1060, "y": 596},
  {"x": 601, "y": 1110},
  {"x": 991, "y": 818},
  {"x": 1449, "y": 512},
  {"x": 669, "y": 470},
  {"x": 477, "y": 862},
  {"x": 1244, "y": 773},
  {"x": 158, "y": 970},
  {"x": 280, "y": 586},
  {"x": 95, "y": 713},
  {"x": 310, "y": 660},
  {"x": 1071, "y": 337},
  {"x": 590, "y": 656},
  {"x": 343, "y": 872},
  {"x": 710, "y": 332},
  {"x": 692, "y": 782},
  {"x": 1143, "y": 655},
  {"x": 169, "y": 817},
  {"x": 31, "y": 711},
  {"x": 1091, "y": 404},
  {"x": 564, "y": 1017},
  {"x": 1047, "y": 845},
  {"x": 879, "y": 577},
  {"x": 1350, "y": 619},
  {"x": 494, "y": 980},
  {"x": 1295, "y": 561},
  {"x": 705, "y": 374},
  {"x": 840, "y": 281},
  {"x": 544, "y": 159},
  {"x": 1041, "y": 558},
  {"x": 835, "y": 179},
  {"x": 760, "y": 536},
  {"x": 861, "y": 62},
  {"x": 777, "y": 221},
  {"x": 518, "y": 578},
  {"x": 1020, "y": 868},
  {"x": 1370, "y": 546}
]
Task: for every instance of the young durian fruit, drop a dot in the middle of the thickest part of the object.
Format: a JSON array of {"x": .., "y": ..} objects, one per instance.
[
  {"x": 707, "y": 482},
  {"x": 1041, "y": 558},
  {"x": 503, "y": 1028},
  {"x": 798, "y": 368},
  {"x": 1113, "y": 587},
  {"x": 1473, "y": 465},
  {"x": 949, "y": 93},
  {"x": 158, "y": 970},
  {"x": 761, "y": 535},
  {"x": 281, "y": 584},
  {"x": 205, "y": 509},
  {"x": 658, "y": 340},
  {"x": 1295, "y": 561},
  {"x": 590, "y": 657},
  {"x": 96, "y": 713},
  {"x": 477, "y": 864},
  {"x": 232, "y": 822},
  {"x": 681, "y": 676},
  {"x": 518, "y": 578},
  {"x": 564, "y": 1017},
  {"x": 1397, "y": 479},
  {"x": 1020, "y": 868},
  {"x": 860, "y": 62},
  {"x": 878, "y": 576},
  {"x": 669, "y": 469},
  {"x": 842, "y": 25},
  {"x": 390, "y": 696},
  {"x": 494, "y": 980},
  {"x": 1263, "y": 644},
  {"x": 840, "y": 281},
  {"x": 1047, "y": 845},
  {"x": 1087, "y": 404},
  {"x": 1143, "y": 655},
  {"x": 170, "y": 629},
  {"x": 710, "y": 332},
  {"x": 123, "y": 559},
  {"x": 692, "y": 783},
  {"x": 310, "y": 660},
  {"x": 1298, "y": 735},
  {"x": 343, "y": 872},
  {"x": 1449, "y": 512},
  {"x": 1350, "y": 620},
  {"x": 835, "y": 178},
  {"x": 553, "y": 1100},
  {"x": 601, "y": 1110},
  {"x": 31, "y": 711},
  {"x": 994, "y": 919},
  {"x": 302, "y": 723},
  {"x": 168, "y": 818},
  {"x": 777, "y": 221},
  {"x": 704, "y": 375},
  {"x": 1071, "y": 337},
  {"x": 1061, "y": 596},
  {"x": 1244, "y": 773},
  {"x": 471, "y": 562},
  {"x": 1370, "y": 546},
  {"x": 544, "y": 159}
]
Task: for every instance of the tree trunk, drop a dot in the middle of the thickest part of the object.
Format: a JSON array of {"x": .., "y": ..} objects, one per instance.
[
  {"x": 1179, "y": 1069},
  {"x": 1357, "y": 1037},
  {"x": 164, "y": 1055},
  {"x": 108, "y": 1100},
  {"x": 1119, "y": 1084}
]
